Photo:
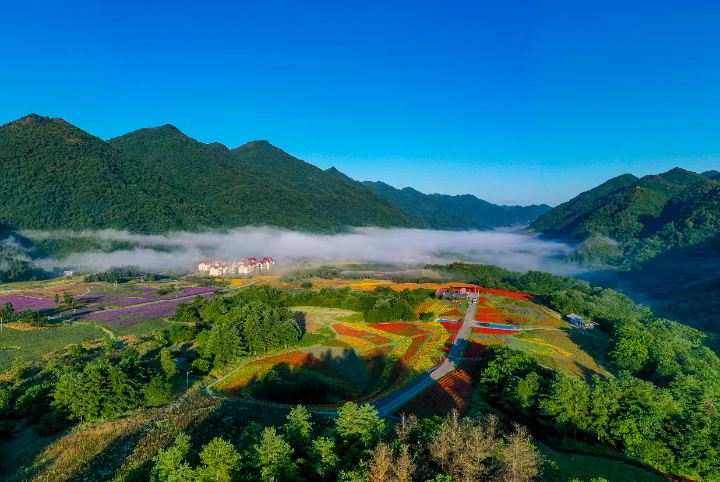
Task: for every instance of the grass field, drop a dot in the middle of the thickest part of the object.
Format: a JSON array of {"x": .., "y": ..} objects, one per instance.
[
  {"x": 562, "y": 467},
  {"x": 144, "y": 327},
  {"x": 16, "y": 344}
]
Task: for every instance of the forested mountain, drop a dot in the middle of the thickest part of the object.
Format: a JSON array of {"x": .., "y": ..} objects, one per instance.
[
  {"x": 57, "y": 176},
  {"x": 661, "y": 230},
  {"x": 256, "y": 183},
  {"x": 640, "y": 217},
  {"x": 441, "y": 211}
]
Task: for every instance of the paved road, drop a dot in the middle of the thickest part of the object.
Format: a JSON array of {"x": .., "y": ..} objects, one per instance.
[{"x": 390, "y": 403}]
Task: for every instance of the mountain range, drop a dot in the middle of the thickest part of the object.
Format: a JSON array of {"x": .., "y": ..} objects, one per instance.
[
  {"x": 628, "y": 220},
  {"x": 663, "y": 234},
  {"x": 57, "y": 176}
]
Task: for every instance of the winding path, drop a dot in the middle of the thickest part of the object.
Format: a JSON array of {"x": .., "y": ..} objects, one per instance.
[{"x": 393, "y": 401}]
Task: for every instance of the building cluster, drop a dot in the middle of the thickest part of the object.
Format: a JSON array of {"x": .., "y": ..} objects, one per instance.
[{"x": 239, "y": 267}]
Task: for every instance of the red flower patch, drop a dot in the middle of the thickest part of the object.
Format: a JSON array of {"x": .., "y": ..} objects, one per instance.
[
  {"x": 373, "y": 338},
  {"x": 454, "y": 390},
  {"x": 404, "y": 329}
]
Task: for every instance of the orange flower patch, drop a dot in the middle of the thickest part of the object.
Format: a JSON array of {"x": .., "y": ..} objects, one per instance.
[{"x": 373, "y": 338}]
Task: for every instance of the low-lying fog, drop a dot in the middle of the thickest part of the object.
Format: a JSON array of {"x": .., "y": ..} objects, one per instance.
[{"x": 181, "y": 251}]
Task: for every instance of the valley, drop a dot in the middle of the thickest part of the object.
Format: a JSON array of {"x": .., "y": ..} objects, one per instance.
[{"x": 334, "y": 342}]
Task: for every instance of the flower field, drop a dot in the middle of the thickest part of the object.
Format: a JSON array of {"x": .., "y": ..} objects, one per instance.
[
  {"x": 453, "y": 391},
  {"x": 139, "y": 295},
  {"x": 130, "y": 315},
  {"x": 361, "y": 361},
  {"x": 21, "y": 302}
]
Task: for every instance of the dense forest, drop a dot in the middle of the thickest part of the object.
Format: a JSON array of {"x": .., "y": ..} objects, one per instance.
[
  {"x": 56, "y": 176},
  {"x": 626, "y": 221},
  {"x": 661, "y": 404},
  {"x": 660, "y": 232},
  {"x": 463, "y": 212}
]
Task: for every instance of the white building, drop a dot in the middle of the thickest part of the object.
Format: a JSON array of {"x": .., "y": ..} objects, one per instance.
[{"x": 240, "y": 267}]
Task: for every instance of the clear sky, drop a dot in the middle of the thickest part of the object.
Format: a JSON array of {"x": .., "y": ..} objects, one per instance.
[{"x": 516, "y": 102}]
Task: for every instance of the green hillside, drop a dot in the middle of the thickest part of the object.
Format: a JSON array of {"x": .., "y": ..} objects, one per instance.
[
  {"x": 646, "y": 216},
  {"x": 56, "y": 176},
  {"x": 440, "y": 211},
  {"x": 661, "y": 230}
]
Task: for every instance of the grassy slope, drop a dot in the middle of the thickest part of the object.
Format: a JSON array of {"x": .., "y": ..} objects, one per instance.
[
  {"x": 562, "y": 467},
  {"x": 36, "y": 343}
]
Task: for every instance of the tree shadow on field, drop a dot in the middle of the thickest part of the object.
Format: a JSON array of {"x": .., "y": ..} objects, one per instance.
[
  {"x": 329, "y": 377},
  {"x": 301, "y": 321}
]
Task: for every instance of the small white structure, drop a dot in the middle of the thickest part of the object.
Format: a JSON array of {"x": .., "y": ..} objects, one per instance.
[
  {"x": 240, "y": 267},
  {"x": 580, "y": 322},
  {"x": 68, "y": 273}
]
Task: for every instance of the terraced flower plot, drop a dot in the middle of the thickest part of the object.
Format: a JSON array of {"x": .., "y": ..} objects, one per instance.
[{"x": 360, "y": 362}]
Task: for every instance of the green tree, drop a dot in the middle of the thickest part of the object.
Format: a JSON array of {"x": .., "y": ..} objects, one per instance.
[
  {"x": 103, "y": 389},
  {"x": 167, "y": 362},
  {"x": 170, "y": 464},
  {"x": 225, "y": 342},
  {"x": 323, "y": 457},
  {"x": 359, "y": 428},
  {"x": 158, "y": 392},
  {"x": 274, "y": 457},
  {"x": 220, "y": 461},
  {"x": 568, "y": 402},
  {"x": 298, "y": 428}
]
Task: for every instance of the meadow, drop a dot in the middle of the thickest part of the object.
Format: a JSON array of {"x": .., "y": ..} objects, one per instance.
[{"x": 34, "y": 344}]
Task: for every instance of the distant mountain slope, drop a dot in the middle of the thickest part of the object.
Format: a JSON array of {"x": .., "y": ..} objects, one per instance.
[
  {"x": 56, "y": 176},
  {"x": 257, "y": 183},
  {"x": 441, "y": 211},
  {"x": 564, "y": 220},
  {"x": 646, "y": 216}
]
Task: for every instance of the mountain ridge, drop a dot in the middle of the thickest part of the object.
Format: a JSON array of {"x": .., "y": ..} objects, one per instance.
[
  {"x": 158, "y": 179},
  {"x": 451, "y": 212}
]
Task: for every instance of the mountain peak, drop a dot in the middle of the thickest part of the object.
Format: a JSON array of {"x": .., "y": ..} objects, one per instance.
[
  {"x": 36, "y": 119},
  {"x": 334, "y": 171},
  {"x": 259, "y": 143}
]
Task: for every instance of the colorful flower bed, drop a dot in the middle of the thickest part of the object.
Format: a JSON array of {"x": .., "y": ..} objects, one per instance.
[
  {"x": 453, "y": 312},
  {"x": 435, "y": 307},
  {"x": 374, "y": 338},
  {"x": 22, "y": 303}
]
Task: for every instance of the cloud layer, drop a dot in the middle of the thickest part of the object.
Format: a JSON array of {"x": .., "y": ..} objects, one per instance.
[{"x": 181, "y": 251}]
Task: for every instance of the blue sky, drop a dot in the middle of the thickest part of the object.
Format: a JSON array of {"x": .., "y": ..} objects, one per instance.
[{"x": 516, "y": 102}]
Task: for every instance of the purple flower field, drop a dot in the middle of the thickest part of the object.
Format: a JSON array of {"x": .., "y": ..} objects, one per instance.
[
  {"x": 21, "y": 303},
  {"x": 135, "y": 296},
  {"x": 130, "y": 315}
]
